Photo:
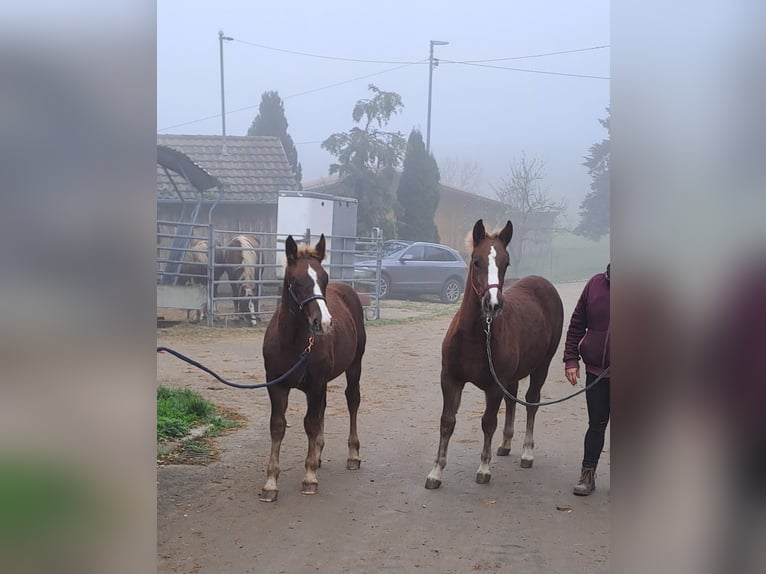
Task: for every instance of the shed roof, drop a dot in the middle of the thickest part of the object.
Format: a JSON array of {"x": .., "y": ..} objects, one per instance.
[{"x": 255, "y": 168}]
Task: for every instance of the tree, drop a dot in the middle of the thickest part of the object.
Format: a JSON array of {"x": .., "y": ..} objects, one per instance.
[
  {"x": 462, "y": 174},
  {"x": 418, "y": 192},
  {"x": 529, "y": 204},
  {"x": 366, "y": 158},
  {"x": 271, "y": 121},
  {"x": 594, "y": 209}
]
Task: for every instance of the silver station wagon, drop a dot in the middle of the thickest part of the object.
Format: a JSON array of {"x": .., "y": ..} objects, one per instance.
[{"x": 421, "y": 269}]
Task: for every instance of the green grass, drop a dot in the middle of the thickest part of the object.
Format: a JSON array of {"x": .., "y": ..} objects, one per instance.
[{"x": 181, "y": 410}]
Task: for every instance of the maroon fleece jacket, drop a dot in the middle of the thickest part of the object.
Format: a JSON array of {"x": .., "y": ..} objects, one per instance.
[{"x": 588, "y": 334}]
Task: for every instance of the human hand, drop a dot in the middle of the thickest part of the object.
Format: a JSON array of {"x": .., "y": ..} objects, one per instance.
[{"x": 572, "y": 374}]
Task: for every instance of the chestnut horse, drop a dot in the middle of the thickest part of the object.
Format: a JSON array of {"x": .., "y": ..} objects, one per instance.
[
  {"x": 240, "y": 258},
  {"x": 527, "y": 321},
  {"x": 326, "y": 320}
]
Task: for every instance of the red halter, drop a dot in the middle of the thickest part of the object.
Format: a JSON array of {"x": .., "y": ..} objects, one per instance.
[{"x": 480, "y": 294}]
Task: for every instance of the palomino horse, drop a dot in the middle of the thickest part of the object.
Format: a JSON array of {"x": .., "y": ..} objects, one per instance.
[
  {"x": 526, "y": 328},
  {"x": 194, "y": 268},
  {"x": 327, "y": 320},
  {"x": 240, "y": 258}
]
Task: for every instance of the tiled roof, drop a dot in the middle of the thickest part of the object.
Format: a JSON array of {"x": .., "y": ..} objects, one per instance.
[{"x": 255, "y": 168}]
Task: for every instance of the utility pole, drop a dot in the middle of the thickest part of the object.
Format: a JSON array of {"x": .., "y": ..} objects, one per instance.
[
  {"x": 221, "y": 38},
  {"x": 432, "y": 63}
]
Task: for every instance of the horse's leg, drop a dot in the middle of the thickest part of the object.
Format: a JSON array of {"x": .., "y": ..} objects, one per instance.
[
  {"x": 278, "y": 395},
  {"x": 312, "y": 422},
  {"x": 536, "y": 380},
  {"x": 353, "y": 398},
  {"x": 320, "y": 437},
  {"x": 452, "y": 391},
  {"x": 493, "y": 398},
  {"x": 510, "y": 418}
]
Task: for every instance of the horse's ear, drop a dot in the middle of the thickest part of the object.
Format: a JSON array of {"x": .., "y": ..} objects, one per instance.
[
  {"x": 320, "y": 248},
  {"x": 506, "y": 233},
  {"x": 291, "y": 249},
  {"x": 478, "y": 232}
]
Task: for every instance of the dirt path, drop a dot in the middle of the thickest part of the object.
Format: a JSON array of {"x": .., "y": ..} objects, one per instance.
[{"x": 380, "y": 518}]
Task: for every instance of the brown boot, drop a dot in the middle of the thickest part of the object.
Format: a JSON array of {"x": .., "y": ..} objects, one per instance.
[{"x": 587, "y": 482}]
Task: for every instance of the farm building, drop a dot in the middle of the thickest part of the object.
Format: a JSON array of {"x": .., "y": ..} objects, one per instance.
[
  {"x": 457, "y": 212},
  {"x": 252, "y": 171}
]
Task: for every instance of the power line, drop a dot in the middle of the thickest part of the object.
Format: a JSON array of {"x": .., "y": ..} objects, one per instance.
[
  {"x": 325, "y": 57},
  {"x": 402, "y": 64},
  {"x": 349, "y": 81},
  {"x": 526, "y": 70},
  {"x": 327, "y": 87},
  {"x": 366, "y": 61},
  {"x": 537, "y": 55}
]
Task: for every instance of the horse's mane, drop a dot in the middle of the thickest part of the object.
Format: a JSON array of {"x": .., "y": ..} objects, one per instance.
[
  {"x": 489, "y": 235},
  {"x": 248, "y": 255},
  {"x": 307, "y": 251}
]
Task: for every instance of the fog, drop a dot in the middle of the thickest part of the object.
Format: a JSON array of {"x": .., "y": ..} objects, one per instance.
[
  {"x": 480, "y": 114},
  {"x": 77, "y": 311}
]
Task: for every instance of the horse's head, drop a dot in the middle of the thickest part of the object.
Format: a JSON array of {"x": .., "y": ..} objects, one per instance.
[
  {"x": 306, "y": 283},
  {"x": 489, "y": 261}
]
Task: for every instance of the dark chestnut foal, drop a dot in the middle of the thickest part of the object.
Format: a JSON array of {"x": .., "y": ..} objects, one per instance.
[
  {"x": 328, "y": 319},
  {"x": 527, "y": 321}
]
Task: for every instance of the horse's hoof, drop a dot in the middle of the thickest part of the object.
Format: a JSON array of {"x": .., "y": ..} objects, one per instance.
[
  {"x": 502, "y": 451},
  {"x": 269, "y": 495},
  {"x": 526, "y": 462},
  {"x": 433, "y": 483},
  {"x": 309, "y": 488},
  {"x": 353, "y": 464},
  {"x": 482, "y": 478}
]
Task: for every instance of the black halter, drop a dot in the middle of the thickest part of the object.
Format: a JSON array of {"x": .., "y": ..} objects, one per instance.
[{"x": 300, "y": 304}]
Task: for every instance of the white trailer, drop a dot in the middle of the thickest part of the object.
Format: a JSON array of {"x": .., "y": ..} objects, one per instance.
[{"x": 335, "y": 216}]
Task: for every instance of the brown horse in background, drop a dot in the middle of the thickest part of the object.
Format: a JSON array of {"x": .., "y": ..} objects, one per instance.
[
  {"x": 327, "y": 320},
  {"x": 240, "y": 259},
  {"x": 527, "y": 322},
  {"x": 194, "y": 269}
]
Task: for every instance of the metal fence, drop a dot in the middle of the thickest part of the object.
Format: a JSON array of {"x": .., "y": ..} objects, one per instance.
[{"x": 353, "y": 260}]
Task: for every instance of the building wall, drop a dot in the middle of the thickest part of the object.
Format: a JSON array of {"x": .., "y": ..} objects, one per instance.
[{"x": 458, "y": 212}]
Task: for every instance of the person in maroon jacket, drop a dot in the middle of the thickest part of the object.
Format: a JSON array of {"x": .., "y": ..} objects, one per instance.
[{"x": 588, "y": 339}]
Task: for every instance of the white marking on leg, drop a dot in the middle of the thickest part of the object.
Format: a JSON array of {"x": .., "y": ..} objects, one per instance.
[
  {"x": 326, "y": 317},
  {"x": 253, "y": 318},
  {"x": 484, "y": 469},
  {"x": 311, "y": 477},
  {"x": 529, "y": 445},
  {"x": 527, "y": 454},
  {"x": 436, "y": 473},
  {"x": 271, "y": 483},
  {"x": 493, "y": 277}
]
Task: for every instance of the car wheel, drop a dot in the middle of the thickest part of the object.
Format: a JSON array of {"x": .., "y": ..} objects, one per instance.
[
  {"x": 385, "y": 286},
  {"x": 451, "y": 291}
]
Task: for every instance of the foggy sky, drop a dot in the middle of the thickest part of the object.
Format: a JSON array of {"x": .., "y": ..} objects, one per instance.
[{"x": 483, "y": 114}]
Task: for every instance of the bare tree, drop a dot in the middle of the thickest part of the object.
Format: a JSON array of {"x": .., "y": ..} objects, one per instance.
[
  {"x": 530, "y": 206},
  {"x": 461, "y": 173}
]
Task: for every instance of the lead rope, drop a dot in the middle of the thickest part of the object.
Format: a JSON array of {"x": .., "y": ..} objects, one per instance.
[
  {"x": 301, "y": 363},
  {"x": 488, "y": 331}
]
